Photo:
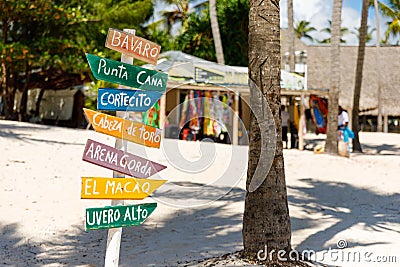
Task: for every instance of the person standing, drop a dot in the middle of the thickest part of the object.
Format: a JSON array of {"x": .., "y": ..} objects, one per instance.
[
  {"x": 343, "y": 127},
  {"x": 285, "y": 124}
]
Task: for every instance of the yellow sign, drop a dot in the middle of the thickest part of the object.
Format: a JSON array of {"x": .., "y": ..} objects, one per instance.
[
  {"x": 118, "y": 188},
  {"x": 133, "y": 131}
]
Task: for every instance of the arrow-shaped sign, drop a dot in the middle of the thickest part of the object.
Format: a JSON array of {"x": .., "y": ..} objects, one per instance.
[
  {"x": 133, "y": 131},
  {"x": 120, "y": 161},
  {"x": 118, "y": 216},
  {"x": 126, "y": 100},
  {"x": 132, "y": 45},
  {"x": 127, "y": 74},
  {"x": 118, "y": 188}
]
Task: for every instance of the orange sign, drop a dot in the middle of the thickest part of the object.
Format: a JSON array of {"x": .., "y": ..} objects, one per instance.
[
  {"x": 133, "y": 131},
  {"x": 133, "y": 46}
]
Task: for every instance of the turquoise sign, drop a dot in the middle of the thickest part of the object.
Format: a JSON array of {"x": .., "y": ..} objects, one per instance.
[
  {"x": 126, "y": 100},
  {"x": 127, "y": 74},
  {"x": 118, "y": 216}
]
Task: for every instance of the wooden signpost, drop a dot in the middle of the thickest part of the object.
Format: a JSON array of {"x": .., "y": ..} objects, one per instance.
[
  {"x": 132, "y": 131},
  {"x": 132, "y": 45},
  {"x": 119, "y": 161},
  {"x": 152, "y": 85},
  {"x": 126, "y": 99},
  {"x": 118, "y": 188},
  {"x": 118, "y": 216},
  {"x": 126, "y": 74}
]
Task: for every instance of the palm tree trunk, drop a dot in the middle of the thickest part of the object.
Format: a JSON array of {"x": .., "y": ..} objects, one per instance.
[
  {"x": 291, "y": 36},
  {"x": 378, "y": 45},
  {"x": 215, "y": 32},
  {"x": 331, "y": 145},
  {"x": 266, "y": 221},
  {"x": 359, "y": 75}
]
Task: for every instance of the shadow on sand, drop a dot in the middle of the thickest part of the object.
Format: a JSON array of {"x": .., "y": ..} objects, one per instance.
[
  {"x": 348, "y": 205},
  {"x": 206, "y": 231},
  {"x": 27, "y": 134},
  {"x": 187, "y": 234}
]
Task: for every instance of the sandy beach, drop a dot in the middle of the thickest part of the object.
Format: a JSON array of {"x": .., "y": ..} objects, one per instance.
[{"x": 336, "y": 203}]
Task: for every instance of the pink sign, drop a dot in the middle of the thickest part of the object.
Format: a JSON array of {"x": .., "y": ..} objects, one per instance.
[{"x": 120, "y": 161}]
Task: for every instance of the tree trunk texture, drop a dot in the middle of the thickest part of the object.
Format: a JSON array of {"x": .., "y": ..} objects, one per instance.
[
  {"x": 215, "y": 32},
  {"x": 24, "y": 100},
  {"x": 291, "y": 36},
  {"x": 331, "y": 145},
  {"x": 359, "y": 75},
  {"x": 266, "y": 219},
  {"x": 378, "y": 74}
]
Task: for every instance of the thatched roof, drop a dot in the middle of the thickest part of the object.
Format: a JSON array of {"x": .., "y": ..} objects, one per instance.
[{"x": 318, "y": 72}]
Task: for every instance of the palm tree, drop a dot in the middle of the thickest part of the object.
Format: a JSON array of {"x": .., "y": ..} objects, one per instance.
[
  {"x": 180, "y": 13},
  {"x": 359, "y": 74},
  {"x": 343, "y": 31},
  {"x": 266, "y": 219},
  {"x": 331, "y": 145},
  {"x": 369, "y": 33},
  {"x": 378, "y": 48},
  {"x": 392, "y": 11},
  {"x": 291, "y": 36},
  {"x": 302, "y": 30},
  {"x": 215, "y": 31}
]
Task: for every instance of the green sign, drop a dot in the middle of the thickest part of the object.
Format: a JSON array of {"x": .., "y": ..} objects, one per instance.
[
  {"x": 126, "y": 74},
  {"x": 118, "y": 216}
]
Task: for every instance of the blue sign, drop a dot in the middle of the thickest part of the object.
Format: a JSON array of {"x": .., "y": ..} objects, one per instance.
[{"x": 126, "y": 99}]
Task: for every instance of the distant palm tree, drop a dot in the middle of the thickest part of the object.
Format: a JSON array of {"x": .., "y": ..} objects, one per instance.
[
  {"x": 331, "y": 143},
  {"x": 180, "y": 13},
  {"x": 391, "y": 10},
  {"x": 291, "y": 34},
  {"x": 302, "y": 30},
  {"x": 378, "y": 78},
  {"x": 215, "y": 31},
  {"x": 359, "y": 75},
  {"x": 369, "y": 33},
  {"x": 343, "y": 31}
]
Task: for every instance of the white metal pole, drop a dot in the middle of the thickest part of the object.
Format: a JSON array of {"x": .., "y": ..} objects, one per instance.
[
  {"x": 235, "y": 126},
  {"x": 114, "y": 235}
]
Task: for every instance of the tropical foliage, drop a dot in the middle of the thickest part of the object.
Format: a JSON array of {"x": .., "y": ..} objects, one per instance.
[
  {"x": 302, "y": 29},
  {"x": 343, "y": 31},
  {"x": 390, "y": 9},
  {"x": 43, "y": 42},
  {"x": 369, "y": 34}
]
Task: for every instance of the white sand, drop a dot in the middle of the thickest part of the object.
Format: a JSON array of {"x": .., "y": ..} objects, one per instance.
[{"x": 331, "y": 198}]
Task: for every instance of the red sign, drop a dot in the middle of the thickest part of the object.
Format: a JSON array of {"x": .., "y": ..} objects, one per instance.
[{"x": 133, "y": 46}]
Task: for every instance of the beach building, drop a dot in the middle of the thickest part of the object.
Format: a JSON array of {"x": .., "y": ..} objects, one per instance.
[
  {"x": 380, "y": 84},
  {"x": 198, "y": 90}
]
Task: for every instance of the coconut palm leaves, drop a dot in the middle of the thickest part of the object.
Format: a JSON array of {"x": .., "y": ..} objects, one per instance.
[
  {"x": 343, "y": 31},
  {"x": 180, "y": 13},
  {"x": 303, "y": 29},
  {"x": 369, "y": 35},
  {"x": 391, "y": 10}
]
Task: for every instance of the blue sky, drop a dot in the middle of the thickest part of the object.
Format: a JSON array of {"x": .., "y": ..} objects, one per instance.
[{"x": 317, "y": 12}]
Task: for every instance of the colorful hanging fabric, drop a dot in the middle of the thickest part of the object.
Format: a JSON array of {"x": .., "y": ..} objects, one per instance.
[
  {"x": 210, "y": 115},
  {"x": 218, "y": 114},
  {"x": 151, "y": 116},
  {"x": 193, "y": 115},
  {"x": 185, "y": 106},
  {"x": 228, "y": 101},
  {"x": 296, "y": 117}
]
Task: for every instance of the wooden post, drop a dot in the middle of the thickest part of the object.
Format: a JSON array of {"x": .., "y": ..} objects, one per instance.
[
  {"x": 301, "y": 123},
  {"x": 114, "y": 235},
  {"x": 385, "y": 123},
  {"x": 235, "y": 126}
]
